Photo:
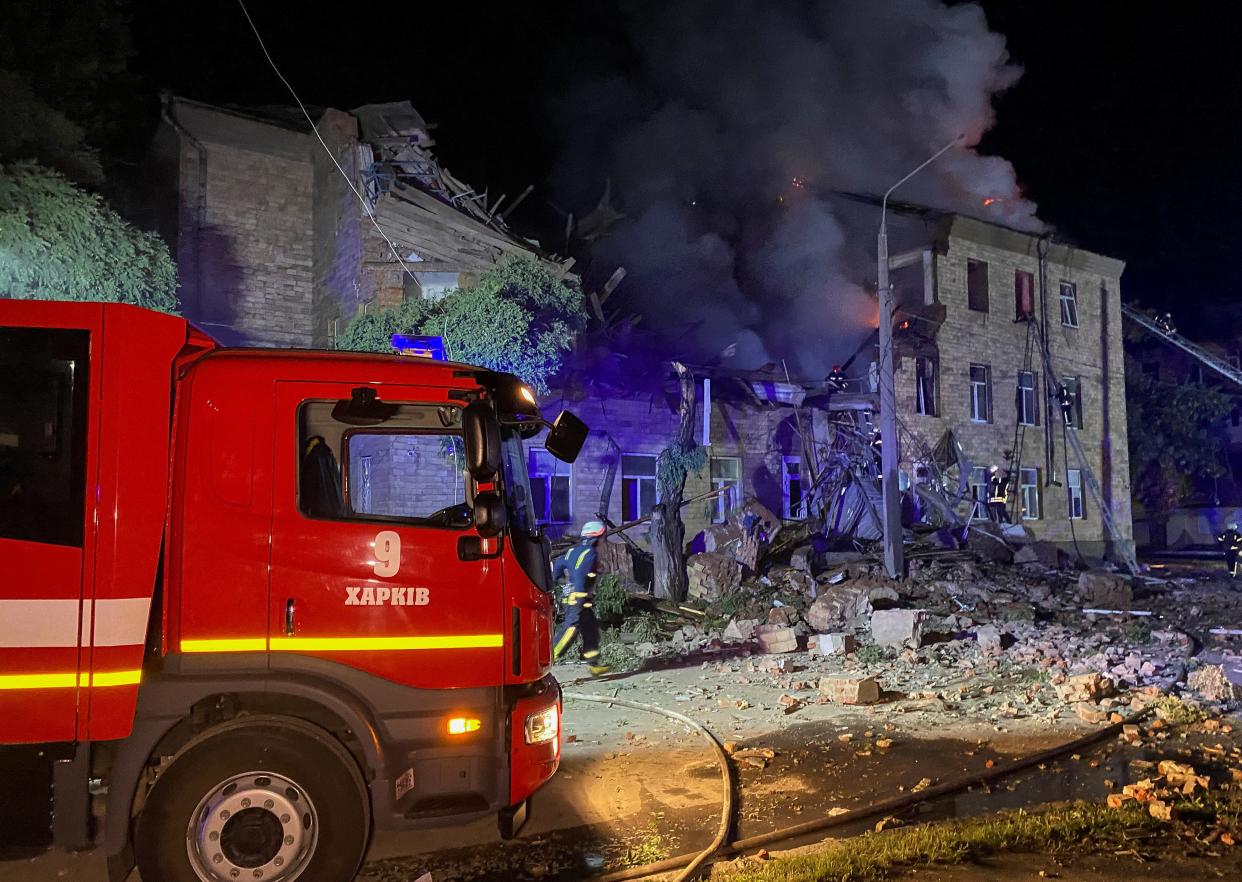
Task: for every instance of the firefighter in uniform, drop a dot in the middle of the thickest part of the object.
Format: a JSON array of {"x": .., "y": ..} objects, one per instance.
[
  {"x": 579, "y": 564},
  {"x": 1231, "y": 539},
  {"x": 998, "y": 495}
]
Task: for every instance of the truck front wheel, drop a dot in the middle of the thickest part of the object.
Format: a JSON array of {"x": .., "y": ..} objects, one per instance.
[{"x": 264, "y": 801}]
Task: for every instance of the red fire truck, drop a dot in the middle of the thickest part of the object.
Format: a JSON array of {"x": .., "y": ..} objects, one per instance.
[{"x": 256, "y": 603}]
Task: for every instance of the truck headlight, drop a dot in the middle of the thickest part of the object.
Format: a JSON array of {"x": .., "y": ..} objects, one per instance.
[{"x": 543, "y": 726}]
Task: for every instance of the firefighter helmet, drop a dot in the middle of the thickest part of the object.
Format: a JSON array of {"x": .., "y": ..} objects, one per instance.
[{"x": 593, "y": 528}]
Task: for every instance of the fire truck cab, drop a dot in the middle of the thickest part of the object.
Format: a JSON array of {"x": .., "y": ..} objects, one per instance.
[{"x": 258, "y": 603}]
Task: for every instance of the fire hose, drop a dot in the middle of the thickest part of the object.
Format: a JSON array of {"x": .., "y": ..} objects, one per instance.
[{"x": 692, "y": 862}]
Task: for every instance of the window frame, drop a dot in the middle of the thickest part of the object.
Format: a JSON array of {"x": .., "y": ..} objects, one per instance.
[
  {"x": 1025, "y": 501},
  {"x": 976, "y": 296},
  {"x": 720, "y": 510},
  {"x": 1076, "y": 411},
  {"x": 930, "y": 375},
  {"x": 1020, "y": 276},
  {"x": 531, "y": 458},
  {"x": 787, "y": 511},
  {"x": 653, "y": 478},
  {"x": 986, "y": 385},
  {"x": 981, "y": 485},
  {"x": 1069, "y": 305},
  {"x": 1074, "y": 494},
  {"x": 1020, "y": 399}
]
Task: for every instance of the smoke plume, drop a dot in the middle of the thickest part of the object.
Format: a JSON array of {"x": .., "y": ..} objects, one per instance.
[{"x": 727, "y": 138}]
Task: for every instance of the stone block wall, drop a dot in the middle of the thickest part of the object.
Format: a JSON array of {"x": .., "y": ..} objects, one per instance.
[
  {"x": 245, "y": 243},
  {"x": 1092, "y": 352}
]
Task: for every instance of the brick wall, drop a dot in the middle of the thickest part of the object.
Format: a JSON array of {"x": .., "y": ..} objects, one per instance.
[
  {"x": 645, "y": 424},
  {"x": 1092, "y": 352},
  {"x": 248, "y": 243}
]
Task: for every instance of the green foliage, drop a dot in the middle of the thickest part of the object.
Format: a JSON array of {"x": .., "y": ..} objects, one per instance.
[
  {"x": 610, "y": 596},
  {"x": 60, "y": 242},
  {"x": 1178, "y": 712},
  {"x": 617, "y": 655},
  {"x": 30, "y": 129},
  {"x": 644, "y": 627},
  {"x": 870, "y": 654},
  {"x": 518, "y": 317},
  {"x": 1174, "y": 437},
  {"x": 675, "y": 462}
]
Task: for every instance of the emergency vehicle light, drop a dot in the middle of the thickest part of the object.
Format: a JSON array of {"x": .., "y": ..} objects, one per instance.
[
  {"x": 462, "y": 725},
  {"x": 419, "y": 346}
]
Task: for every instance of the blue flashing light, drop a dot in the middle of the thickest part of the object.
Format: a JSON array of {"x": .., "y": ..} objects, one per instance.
[{"x": 419, "y": 346}]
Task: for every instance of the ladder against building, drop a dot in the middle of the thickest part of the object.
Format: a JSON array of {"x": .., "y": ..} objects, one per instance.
[
  {"x": 1156, "y": 329},
  {"x": 1122, "y": 547}
]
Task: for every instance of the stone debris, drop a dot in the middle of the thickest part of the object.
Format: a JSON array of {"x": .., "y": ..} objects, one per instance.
[
  {"x": 777, "y": 638},
  {"x": 740, "y": 629},
  {"x": 850, "y": 690},
  {"x": 1107, "y": 590},
  {"x": 1213, "y": 684},
  {"x": 898, "y": 627},
  {"x": 831, "y": 644},
  {"x": 711, "y": 575}
]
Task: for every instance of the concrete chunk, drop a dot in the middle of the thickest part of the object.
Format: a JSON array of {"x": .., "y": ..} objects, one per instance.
[
  {"x": 898, "y": 627},
  {"x": 850, "y": 690},
  {"x": 831, "y": 644},
  {"x": 1105, "y": 590},
  {"x": 740, "y": 629},
  {"x": 777, "y": 638}
]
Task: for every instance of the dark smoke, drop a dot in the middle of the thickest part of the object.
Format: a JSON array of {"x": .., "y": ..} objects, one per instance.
[{"x": 727, "y": 138}]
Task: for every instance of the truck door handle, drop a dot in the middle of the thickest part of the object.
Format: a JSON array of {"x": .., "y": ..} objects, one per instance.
[{"x": 289, "y": 609}]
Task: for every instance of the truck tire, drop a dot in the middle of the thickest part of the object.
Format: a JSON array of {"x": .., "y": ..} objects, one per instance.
[{"x": 260, "y": 801}]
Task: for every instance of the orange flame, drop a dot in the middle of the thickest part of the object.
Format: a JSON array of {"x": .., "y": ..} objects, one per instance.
[{"x": 989, "y": 200}]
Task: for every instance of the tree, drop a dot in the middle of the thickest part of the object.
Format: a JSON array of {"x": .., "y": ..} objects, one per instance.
[
  {"x": 59, "y": 242},
  {"x": 1174, "y": 438},
  {"x": 518, "y": 317},
  {"x": 668, "y": 532}
]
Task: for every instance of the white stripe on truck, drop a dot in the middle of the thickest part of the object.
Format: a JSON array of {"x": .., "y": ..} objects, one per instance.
[{"x": 54, "y": 623}]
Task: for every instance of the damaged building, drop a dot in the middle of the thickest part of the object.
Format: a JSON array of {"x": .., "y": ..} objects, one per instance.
[{"x": 273, "y": 245}]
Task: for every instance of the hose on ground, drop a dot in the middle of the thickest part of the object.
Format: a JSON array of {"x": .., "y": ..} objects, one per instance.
[
  {"x": 693, "y": 862},
  {"x": 884, "y": 807}
]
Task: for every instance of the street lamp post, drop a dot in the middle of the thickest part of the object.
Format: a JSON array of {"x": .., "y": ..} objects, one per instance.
[{"x": 893, "y": 542}]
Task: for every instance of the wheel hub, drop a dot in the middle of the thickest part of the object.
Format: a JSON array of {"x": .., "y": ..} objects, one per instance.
[{"x": 257, "y": 825}]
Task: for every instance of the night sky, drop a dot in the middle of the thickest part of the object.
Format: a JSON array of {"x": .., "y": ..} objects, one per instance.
[{"x": 1123, "y": 128}]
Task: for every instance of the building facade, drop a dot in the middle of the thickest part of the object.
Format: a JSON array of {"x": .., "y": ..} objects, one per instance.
[{"x": 970, "y": 362}]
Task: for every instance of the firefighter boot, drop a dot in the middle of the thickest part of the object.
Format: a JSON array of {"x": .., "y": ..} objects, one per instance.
[{"x": 598, "y": 670}]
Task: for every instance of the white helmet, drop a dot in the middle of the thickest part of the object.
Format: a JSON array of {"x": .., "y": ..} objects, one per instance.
[
  {"x": 1232, "y": 525},
  {"x": 593, "y": 528}
]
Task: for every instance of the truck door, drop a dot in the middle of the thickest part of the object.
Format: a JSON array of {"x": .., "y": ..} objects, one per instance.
[
  {"x": 368, "y": 512},
  {"x": 44, "y": 390}
]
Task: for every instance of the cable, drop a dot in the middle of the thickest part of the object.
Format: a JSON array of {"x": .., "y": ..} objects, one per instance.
[
  {"x": 691, "y": 862},
  {"x": 314, "y": 128}
]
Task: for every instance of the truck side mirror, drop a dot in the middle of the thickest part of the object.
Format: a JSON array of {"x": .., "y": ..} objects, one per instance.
[
  {"x": 490, "y": 515},
  {"x": 482, "y": 433},
  {"x": 566, "y": 438}
]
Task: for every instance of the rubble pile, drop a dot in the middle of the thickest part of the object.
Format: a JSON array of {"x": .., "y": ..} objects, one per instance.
[{"x": 1062, "y": 643}]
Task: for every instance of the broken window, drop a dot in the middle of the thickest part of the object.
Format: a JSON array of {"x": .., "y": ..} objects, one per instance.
[
  {"x": 550, "y": 487},
  {"x": 1073, "y": 413},
  {"x": 1027, "y": 402},
  {"x": 638, "y": 485},
  {"x": 980, "y": 393},
  {"x": 1074, "y": 486},
  {"x": 794, "y": 503},
  {"x": 977, "y": 285},
  {"x": 1069, "y": 305},
  {"x": 726, "y": 474},
  {"x": 1028, "y": 486},
  {"x": 1023, "y": 294},
  {"x": 925, "y": 386}
]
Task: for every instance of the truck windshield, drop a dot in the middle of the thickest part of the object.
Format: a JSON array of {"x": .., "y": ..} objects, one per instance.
[{"x": 517, "y": 482}]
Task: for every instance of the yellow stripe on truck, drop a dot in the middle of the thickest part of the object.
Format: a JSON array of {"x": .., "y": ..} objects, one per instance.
[
  {"x": 232, "y": 644},
  {"x": 69, "y": 680},
  {"x": 346, "y": 644},
  {"x": 385, "y": 644}
]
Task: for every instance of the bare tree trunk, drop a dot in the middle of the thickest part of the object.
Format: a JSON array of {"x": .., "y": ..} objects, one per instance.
[{"x": 668, "y": 533}]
